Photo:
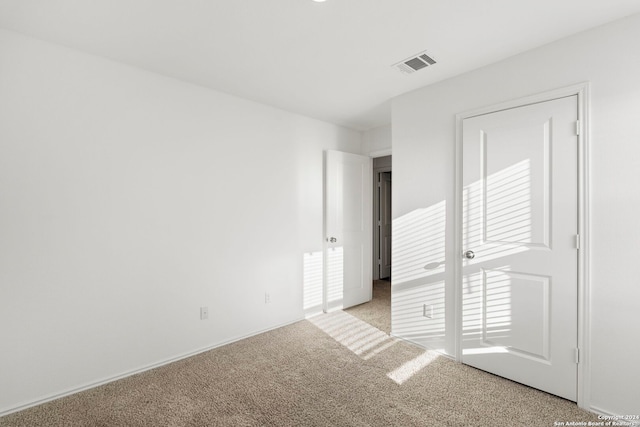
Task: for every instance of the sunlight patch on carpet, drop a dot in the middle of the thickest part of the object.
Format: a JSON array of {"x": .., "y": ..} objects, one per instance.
[
  {"x": 412, "y": 367},
  {"x": 358, "y": 336}
]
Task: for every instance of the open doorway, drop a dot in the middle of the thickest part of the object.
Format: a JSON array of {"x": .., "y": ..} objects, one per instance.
[
  {"x": 382, "y": 179},
  {"x": 377, "y": 312}
]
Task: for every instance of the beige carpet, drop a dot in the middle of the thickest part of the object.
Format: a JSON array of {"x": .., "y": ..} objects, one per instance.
[
  {"x": 331, "y": 370},
  {"x": 377, "y": 312}
]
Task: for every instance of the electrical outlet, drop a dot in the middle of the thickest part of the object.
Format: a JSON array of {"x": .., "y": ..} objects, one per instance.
[
  {"x": 427, "y": 311},
  {"x": 204, "y": 313},
  {"x": 267, "y": 298}
]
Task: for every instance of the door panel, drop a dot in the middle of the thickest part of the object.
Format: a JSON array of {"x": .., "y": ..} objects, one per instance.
[
  {"x": 348, "y": 206},
  {"x": 517, "y": 180},
  {"x": 520, "y": 220},
  {"x": 525, "y": 331}
]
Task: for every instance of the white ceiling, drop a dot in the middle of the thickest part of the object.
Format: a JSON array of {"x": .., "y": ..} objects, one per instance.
[{"x": 330, "y": 60}]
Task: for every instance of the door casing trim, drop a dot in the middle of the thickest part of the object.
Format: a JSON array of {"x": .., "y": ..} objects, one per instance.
[{"x": 582, "y": 90}]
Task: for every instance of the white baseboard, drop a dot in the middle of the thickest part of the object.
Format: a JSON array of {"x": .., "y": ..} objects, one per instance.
[{"x": 145, "y": 368}]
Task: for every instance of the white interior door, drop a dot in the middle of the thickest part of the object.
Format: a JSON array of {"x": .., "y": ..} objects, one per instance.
[
  {"x": 385, "y": 225},
  {"x": 348, "y": 229},
  {"x": 519, "y": 290}
]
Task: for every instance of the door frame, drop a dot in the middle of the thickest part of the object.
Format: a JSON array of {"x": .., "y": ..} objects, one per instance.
[{"x": 582, "y": 90}]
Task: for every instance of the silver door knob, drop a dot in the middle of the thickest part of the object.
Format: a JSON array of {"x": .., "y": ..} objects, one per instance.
[
  {"x": 332, "y": 239},
  {"x": 469, "y": 255}
]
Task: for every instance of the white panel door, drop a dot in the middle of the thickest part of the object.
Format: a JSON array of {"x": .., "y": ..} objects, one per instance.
[
  {"x": 348, "y": 229},
  {"x": 519, "y": 290}
]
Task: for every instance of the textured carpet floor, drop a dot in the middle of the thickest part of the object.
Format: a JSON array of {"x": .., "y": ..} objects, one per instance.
[
  {"x": 377, "y": 312},
  {"x": 331, "y": 370}
]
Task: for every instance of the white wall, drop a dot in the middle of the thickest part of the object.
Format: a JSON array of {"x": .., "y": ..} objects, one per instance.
[
  {"x": 377, "y": 141},
  {"x": 423, "y": 168},
  {"x": 127, "y": 201}
]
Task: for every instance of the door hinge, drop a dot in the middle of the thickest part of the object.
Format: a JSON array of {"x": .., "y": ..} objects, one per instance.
[
  {"x": 577, "y": 241},
  {"x": 379, "y": 223},
  {"x": 577, "y": 355},
  {"x": 577, "y": 127},
  {"x": 379, "y": 184},
  {"x": 379, "y": 262}
]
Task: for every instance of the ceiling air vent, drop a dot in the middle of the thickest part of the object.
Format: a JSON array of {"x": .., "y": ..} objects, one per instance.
[{"x": 415, "y": 63}]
